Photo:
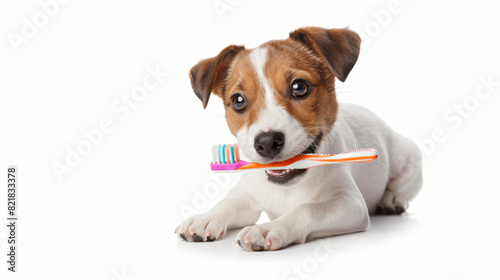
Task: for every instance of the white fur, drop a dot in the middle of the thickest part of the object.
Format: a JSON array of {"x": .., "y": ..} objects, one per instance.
[
  {"x": 272, "y": 117},
  {"x": 258, "y": 58},
  {"x": 326, "y": 201}
]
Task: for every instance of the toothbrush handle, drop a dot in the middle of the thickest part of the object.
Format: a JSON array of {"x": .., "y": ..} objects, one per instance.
[
  {"x": 312, "y": 160},
  {"x": 351, "y": 156}
]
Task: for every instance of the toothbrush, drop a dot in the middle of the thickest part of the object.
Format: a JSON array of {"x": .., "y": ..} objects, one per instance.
[{"x": 226, "y": 158}]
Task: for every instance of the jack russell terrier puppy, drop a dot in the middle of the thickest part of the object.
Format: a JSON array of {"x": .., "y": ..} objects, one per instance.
[{"x": 280, "y": 101}]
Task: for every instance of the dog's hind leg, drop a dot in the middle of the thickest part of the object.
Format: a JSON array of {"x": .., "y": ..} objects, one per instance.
[{"x": 406, "y": 178}]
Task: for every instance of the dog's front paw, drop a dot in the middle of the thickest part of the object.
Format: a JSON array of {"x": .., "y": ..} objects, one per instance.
[
  {"x": 201, "y": 228},
  {"x": 261, "y": 238}
]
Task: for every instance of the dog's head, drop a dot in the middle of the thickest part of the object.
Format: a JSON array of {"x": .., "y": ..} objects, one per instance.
[{"x": 279, "y": 97}]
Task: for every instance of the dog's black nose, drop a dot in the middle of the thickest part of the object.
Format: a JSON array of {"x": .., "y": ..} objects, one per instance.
[{"x": 269, "y": 144}]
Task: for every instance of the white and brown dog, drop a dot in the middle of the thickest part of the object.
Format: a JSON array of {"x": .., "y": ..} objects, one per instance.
[{"x": 280, "y": 101}]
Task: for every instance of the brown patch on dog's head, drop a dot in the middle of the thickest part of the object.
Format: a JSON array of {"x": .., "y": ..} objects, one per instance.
[
  {"x": 339, "y": 48},
  {"x": 243, "y": 80},
  {"x": 289, "y": 61},
  {"x": 210, "y": 74}
]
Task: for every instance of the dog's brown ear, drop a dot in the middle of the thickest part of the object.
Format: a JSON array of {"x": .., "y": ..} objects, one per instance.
[
  {"x": 210, "y": 74},
  {"x": 338, "y": 47}
]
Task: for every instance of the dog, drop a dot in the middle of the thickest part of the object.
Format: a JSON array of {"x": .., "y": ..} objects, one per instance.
[{"x": 280, "y": 101}]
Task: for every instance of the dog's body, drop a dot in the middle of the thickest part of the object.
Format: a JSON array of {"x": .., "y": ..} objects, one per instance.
[{"x": 280, "y": 101}]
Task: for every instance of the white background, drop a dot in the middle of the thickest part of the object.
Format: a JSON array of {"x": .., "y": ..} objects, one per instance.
[{"x": 113, "y": 215}]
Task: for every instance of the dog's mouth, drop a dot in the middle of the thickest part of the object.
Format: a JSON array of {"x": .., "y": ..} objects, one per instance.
[{"x": 284, "y": 176}]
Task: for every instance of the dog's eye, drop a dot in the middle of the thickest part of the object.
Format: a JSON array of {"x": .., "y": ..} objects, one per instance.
[
  {"x": 300, "y": 88},
  {"x": 239, "y": 103}
]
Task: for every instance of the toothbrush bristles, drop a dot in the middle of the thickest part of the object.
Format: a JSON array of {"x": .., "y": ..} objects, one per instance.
[{"x": 225, "y": 154}]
